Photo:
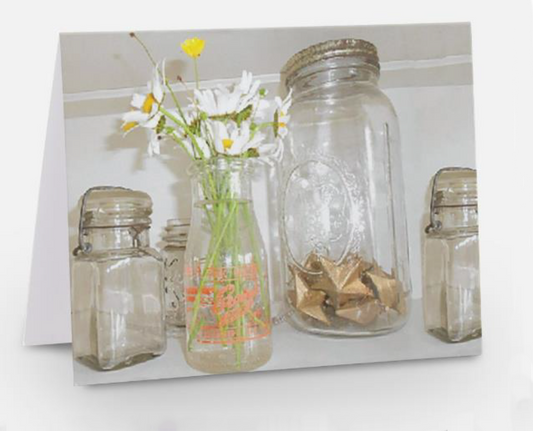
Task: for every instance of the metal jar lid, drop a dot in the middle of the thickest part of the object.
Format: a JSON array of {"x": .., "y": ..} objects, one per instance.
[
  {"x": 115, "y": 206},
  {"x": 177, "y": 230},
  {"x": 452, "y": 187},
  {"x": 455, "y": 187},
  {"x": 331, "y": 49},
  {"x": 112, "y": 207}
]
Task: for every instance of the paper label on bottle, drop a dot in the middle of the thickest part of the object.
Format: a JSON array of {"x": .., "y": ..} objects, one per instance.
[{"x": 230, "y": 303}]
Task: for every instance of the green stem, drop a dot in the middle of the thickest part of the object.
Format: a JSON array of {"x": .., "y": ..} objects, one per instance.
[
  {"x": 184, "y": 126},
  {"x": 196, "y": 76},
  {"x": 208, "y": 264},
  {"x": 175, "y": 99}
]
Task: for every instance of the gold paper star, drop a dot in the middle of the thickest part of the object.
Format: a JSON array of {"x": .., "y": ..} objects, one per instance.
[
  {"x": 362, "y": 312},
  {"x": 402, "y": 304},
  {"x": 384, "y": 284},
  {"x": 309, "y": 302},
  {"x": 346, "y": 277}
]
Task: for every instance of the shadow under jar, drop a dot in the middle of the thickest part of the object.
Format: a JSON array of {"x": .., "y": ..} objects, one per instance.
[
  {"x": 452, "y": 303},
  {"x": 343, "y": 217},
  {"x": 117, "y": 282}
]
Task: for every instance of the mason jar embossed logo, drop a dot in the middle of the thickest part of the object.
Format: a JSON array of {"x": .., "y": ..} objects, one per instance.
[{"x": 317, "y": 190}]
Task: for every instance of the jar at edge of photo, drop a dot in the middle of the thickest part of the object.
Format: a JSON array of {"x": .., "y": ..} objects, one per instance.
[
  {"x": 452, "y": 303},
  {"x": 342, "y": 212},
  {"x": 117, "y": 282},
  {"x": 175, "y": 238}
]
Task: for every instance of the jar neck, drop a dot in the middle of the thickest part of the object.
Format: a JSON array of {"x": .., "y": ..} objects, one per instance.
[
  {"x": 221, "y": 179},
  {"x": 331, "y": 74},
  {"x": 117, "y": 238},
  {"x": 179, "y": 242},
  {"x": 458, "y": 219}
]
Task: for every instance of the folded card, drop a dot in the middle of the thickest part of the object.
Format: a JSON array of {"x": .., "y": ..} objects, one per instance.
[{"x": 248, "y": 200}]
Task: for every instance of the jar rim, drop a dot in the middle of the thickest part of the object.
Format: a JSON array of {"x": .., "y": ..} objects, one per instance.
[
  {"x": 337, "y": 48},
  {"x": 455, "y": 187},
  {"x": 114, "y": 207},
  {"x": 220, "y": 163},
  {"x": 177, "y": 229}
]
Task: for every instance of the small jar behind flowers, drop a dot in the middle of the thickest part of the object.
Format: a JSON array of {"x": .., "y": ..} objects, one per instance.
[
  {"x": 175, "y": 238},
  {"x": 223, "y": 131},
  {"x": 452, "y": 303},
  {"x": 117, "y": 282}
]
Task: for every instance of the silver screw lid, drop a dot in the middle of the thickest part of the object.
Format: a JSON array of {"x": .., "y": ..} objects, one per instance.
[{"x": 330, "y": 49}]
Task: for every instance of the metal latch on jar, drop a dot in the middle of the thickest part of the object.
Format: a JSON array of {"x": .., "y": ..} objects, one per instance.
[
  {"x": 86, "y": 247},
  {"x": 436, "y": 225}
]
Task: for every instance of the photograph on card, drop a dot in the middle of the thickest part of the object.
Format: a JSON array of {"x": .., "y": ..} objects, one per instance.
[{"x": 268, "y": 199}]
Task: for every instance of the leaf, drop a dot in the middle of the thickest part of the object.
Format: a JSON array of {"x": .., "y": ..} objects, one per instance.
[
  {"x": 160, "y": 124},
  {"x": 252, "y": 152},
  {"x": 276, "y": 123},
  {"x": 244, "y": 115}
]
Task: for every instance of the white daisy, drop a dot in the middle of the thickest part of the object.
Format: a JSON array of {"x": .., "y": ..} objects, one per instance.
[
  {"x": 232, "y": 140},
  {"x": 282, "y": 116},
  {"x": 230, "y": 100},
  {"x": 146, "y": 106}
]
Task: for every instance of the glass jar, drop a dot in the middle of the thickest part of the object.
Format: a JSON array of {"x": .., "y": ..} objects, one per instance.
[
  {"x": 226, "y": 284},
  {"x": 176, "y": 233},
  {"x": 117, "y": 282},
  {"x": 343, "y": 218},
  {"x": 452, "y": 304}
]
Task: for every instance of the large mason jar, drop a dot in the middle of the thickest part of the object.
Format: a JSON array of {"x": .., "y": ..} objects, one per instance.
[
  {"x": 117, "y": 282},
  {"x": 226, "y": 272},
  {"x": 343, "y": 217},
  {"x": 452, "y": 303}
]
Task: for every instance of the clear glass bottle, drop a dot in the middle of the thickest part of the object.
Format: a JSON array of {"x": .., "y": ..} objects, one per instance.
[
  {"x": 452, "y": 303},
  {"x": 117, "y": 282},
  {"x": 175, "y": 238},
  {"x": 343, "y": 218},
  {"x": 226, "y": 284}
]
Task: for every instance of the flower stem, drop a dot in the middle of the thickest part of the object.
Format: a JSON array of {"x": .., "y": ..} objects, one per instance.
[
  {"x": 196, "y": 75},
  {"x": 208, "y": 264},
  {"x": 184, "y": 126}
]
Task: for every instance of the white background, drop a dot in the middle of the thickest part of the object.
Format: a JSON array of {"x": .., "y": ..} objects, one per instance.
[{"x": 492, "y": 392}]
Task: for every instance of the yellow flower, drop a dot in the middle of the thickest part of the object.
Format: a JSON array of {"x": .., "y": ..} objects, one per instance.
[{"x": 193, "y": 47}]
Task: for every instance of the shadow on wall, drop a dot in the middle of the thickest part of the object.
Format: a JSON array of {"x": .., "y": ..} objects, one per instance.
[
  {"x": 424, "y": 222},
  {"x": 171, "y": 158}
]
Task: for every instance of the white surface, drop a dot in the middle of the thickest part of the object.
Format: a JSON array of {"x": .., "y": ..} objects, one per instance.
[
  {"x": 48, "y": 318},
  {"x": 493, "y": 392},
  {"x": 294, "y": 349}
]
